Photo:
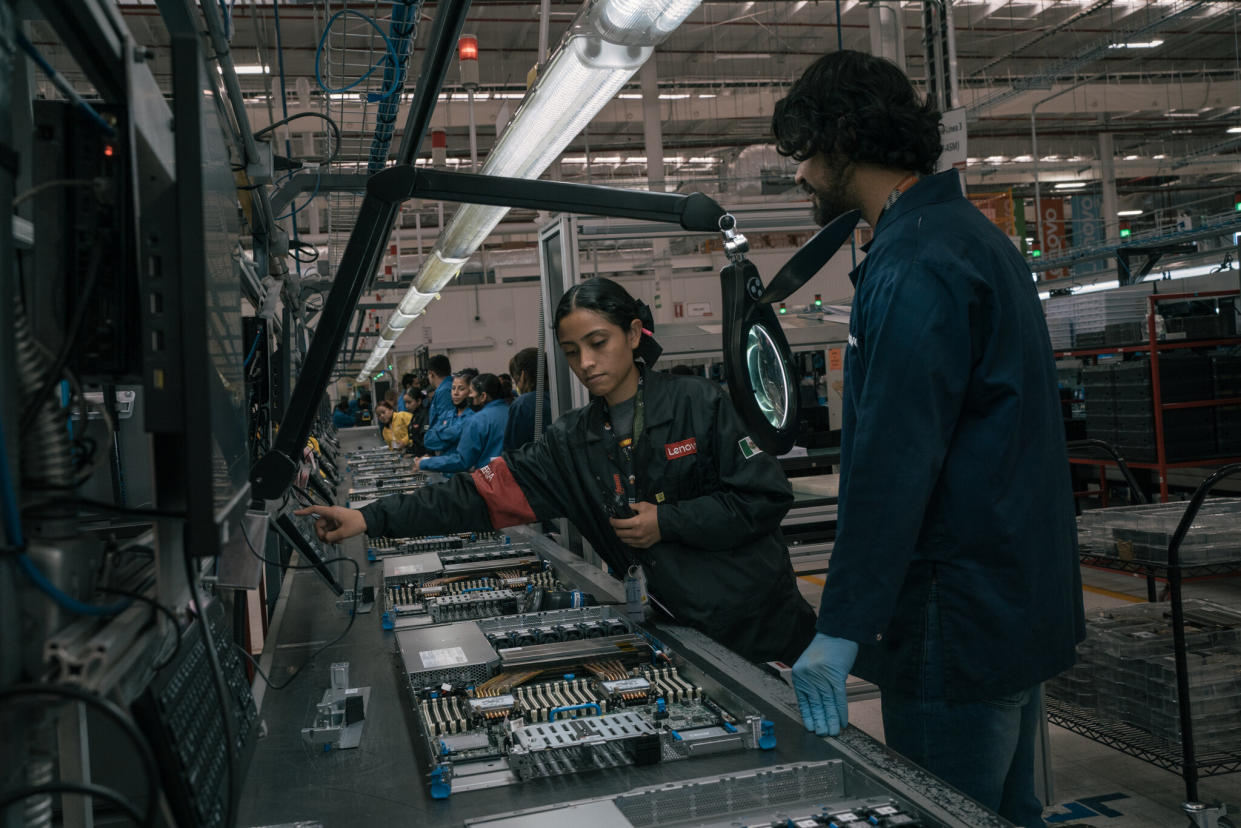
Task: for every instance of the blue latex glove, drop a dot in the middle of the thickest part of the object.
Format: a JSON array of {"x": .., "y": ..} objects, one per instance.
[{"x": 819, "y": 679}]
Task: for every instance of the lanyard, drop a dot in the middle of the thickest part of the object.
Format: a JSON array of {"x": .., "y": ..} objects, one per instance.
[
  {"x": 621, "y": 451},
  {"x": 899, "y": 190}
]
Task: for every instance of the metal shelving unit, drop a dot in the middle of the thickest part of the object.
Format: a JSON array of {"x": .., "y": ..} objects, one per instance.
[
  {"x": 1154, "y": 347},
  {"x": 1127, "y": 738},
  {"x": 1135, "y": 742}
]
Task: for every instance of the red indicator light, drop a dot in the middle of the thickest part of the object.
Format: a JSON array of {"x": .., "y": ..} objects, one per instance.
[
  {"x": 467, "y": 48},
  {"x": 108, "y": 151}
]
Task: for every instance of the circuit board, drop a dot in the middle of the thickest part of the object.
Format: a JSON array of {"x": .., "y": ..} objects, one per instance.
[
  {"x": 473, "y": 582},
  {"x": 503, "y": 700}
]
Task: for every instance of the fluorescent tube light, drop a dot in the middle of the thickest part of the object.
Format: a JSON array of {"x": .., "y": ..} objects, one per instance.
[
  {"x": 607, "y": 43},
  {"x": 1071, "y": 185},
  {"x": 251, "y": 69},
  {"x": 1234, "y": 130},
  {"x": 1128, "y": 213},
  {"x": 1137, "y": 44}
]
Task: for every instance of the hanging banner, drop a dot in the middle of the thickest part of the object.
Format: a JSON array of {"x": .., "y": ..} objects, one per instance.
[
  {"x": 1051, "y": 230},
  {"x": 1088, "y": 230}
]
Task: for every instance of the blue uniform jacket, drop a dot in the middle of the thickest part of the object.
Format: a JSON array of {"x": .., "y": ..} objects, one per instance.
[
  {"x": 342, "y": 420},
  {"x": 482, "y": 439},
  {"x": 520, "y": 428},
  {"x": 444, "y": 434},
  {"x": 441, "y": 403},
  {"x": 954, "y": 473}
]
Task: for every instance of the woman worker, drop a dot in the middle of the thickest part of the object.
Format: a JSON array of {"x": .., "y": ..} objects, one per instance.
[{"x": 706, "y": 503}]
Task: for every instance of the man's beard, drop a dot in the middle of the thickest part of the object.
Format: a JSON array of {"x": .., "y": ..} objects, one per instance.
[
  {"x": 834, "y": 199},
  {"x": 831, "y": 202}
]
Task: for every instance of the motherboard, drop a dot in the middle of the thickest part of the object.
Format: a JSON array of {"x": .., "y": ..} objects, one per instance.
[{"x": 502, "y": 700}]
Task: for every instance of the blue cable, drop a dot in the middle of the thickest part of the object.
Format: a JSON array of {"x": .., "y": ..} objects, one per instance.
[
  {"x": 13, "y": 532},
  {"x": 64, "y": 601},
  {"x": 371, "y": 97},
  {"x": 253, "y": 348},
  {"x": 401, "y": 32},
  {"x": 302, "y": 206},
  {"x": 12, "y": 518},
  {"x": 63, "y": 85}
]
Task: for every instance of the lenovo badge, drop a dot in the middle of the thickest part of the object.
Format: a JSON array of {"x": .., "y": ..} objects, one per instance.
[{"x": 682, "y": 449}]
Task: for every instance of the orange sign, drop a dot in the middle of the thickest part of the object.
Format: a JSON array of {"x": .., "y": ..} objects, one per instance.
[
  {"x": 835, "y": 359},
  {"x": 1051, "y": 232}
]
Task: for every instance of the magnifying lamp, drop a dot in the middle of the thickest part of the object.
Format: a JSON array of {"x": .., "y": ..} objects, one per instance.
[{"x": 758, "y": 364}]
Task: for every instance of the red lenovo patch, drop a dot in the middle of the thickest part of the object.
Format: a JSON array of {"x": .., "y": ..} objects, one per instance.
[
  {"x": 682, "y": 449},
  {"x": 506, "y": 502}
]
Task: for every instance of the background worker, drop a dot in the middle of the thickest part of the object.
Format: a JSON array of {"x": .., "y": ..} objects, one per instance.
[
  {"x": 395, "y": 425},
  {"x": 656, "y": 472},
  {"x": 341, "y": 418},
  {"x": 524, "y": 368},
  {"x": 954, "y": 583},
  {"x": 482, "y": 435},
  {"x": 439, "y": 387},
  {"x": 442, "y": 436}
]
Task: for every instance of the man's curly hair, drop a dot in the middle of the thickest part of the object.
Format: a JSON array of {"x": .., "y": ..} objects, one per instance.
[{"x": 862, "y": 108}]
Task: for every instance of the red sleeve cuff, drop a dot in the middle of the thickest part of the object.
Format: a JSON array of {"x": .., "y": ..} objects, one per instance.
[{"x": 506, "y": 502}]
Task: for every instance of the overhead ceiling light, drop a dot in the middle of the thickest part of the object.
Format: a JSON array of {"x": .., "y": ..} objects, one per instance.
[
  {"x": 798, "y": 6},
  {"x": 251, "y": 69},
  {"x": 703, "y": 159},
  {"x": 1159, "y": 157},
  {"x": 1050, "y": 158},
  {"x": 1137, "y": 44},
  {"x": 1234, "y": 130},
  {"x": 630, "y": 96},
  {"x": 742, "y": 56},
  {"x": 1182, "y": 114},
  {"x": 1071, "y": 185},
  {"x": 608, "y": 43},
  {"x": 706, "y": 94},
  {"x": 1129, "y": 213},
  {"x": 636, "y": 159},
  {"x": 1131, "y": 158},
  {"x": 673, "y": 96},
  {"x": 1024, "y": 159},
  {"x": 606, "y": 159},
  {"x": 996, "y": 159}
]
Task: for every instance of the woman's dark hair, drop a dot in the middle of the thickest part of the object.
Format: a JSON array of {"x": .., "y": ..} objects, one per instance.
[
  {"x": 490, "y": 385},
  {"x": 467, "y": 374},
  {"x": 343, "y": 405},
  {"x": 861, "y": 107},
  {"x": 613, "y": 303},
  {"x": 526, "y": 361}
]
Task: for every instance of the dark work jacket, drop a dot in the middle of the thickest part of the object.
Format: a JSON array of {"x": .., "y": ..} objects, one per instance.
[
  {"x": 721, "y": 566},
  {"x": 953, "y": 461},
  {"x": 520, "y": 427}
]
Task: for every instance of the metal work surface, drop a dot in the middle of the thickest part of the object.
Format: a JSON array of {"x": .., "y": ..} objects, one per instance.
[
  {"x": 854, "y": 746},
  {"x": 290, "y": 781}
]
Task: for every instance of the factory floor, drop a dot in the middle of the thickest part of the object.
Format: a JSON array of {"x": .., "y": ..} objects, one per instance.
[{"x": 1094, "y": 784}]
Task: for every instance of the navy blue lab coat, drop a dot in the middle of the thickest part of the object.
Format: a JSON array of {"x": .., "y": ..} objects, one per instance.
[{"x": 954, "y": 470}]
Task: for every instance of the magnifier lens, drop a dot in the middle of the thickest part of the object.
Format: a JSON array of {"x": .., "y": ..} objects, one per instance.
[{"x": 767, "y": 378}]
